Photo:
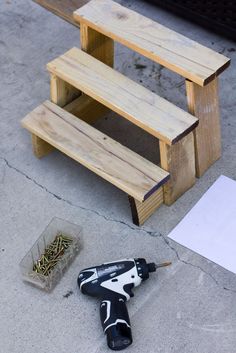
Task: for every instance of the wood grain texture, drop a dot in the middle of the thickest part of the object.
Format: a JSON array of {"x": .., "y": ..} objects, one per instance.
[
  {"x": 63, "y": 8},
  {"x": 170, "y": 49},
  {"x": 96, "y": 44},
  {"x": 101, "y": 48},
  {"x": 107, "y": 158},
  {"x": 61, "y": 92},
  {"x": 179, "y": 161},
  {"x": 141, "y": 211},
  {"x": 203, "y": 102},
  {"x": 40, "y": 147},
  {"x": 134, "y": 102},
  {"x": 86, "y": 108}
]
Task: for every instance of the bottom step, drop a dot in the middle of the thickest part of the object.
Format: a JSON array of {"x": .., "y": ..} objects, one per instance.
[{"x": 109, "y": 159}]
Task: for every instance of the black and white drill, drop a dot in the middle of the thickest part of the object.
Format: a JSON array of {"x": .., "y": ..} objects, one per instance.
[{"x": 113, "y": 283}]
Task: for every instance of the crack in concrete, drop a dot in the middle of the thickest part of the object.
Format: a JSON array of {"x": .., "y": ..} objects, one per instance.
[
  {"x": 158, "y": 75},
  {"x": 65, "y": 200},
  {"x": 195, "y": 266},
  {"x": 109, "y": 219},
  {"x": 2, "y": 176}
]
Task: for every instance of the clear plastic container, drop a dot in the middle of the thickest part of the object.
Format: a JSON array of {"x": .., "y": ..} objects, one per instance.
[{"x": 56, "y": 226}]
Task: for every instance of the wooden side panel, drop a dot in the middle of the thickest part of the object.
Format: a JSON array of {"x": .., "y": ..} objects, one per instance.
[
  {"x": 86, "y": 109},
  {"x": 167, "y": 47},
  {"x": 141, "y": 211},
  {"x": 62, "y": 92},
  {"x": 203, "y": 102},
  {"x": 96, "y": 44},
  {"x": 40, "y": 147},
  {"x": 100, "y": 47},
  {"x": 179, "y": 161}
]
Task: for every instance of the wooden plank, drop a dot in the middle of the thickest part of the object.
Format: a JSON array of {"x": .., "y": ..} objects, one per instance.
[
  {"x": 124, "y": 96},
  {"x": 96, "y": 44},
  {"x": 160, "y": 44},
  {"x": 102, "y": 48},
  {"x": 62, "y": 92},
  {"x": 40, "y": 147},
  {"x": 203, "y": 102},
  {"x": 141, "y": 211},
  {"x": 107, "y": 158},
  {"x": 63, "y": 8},
  {"x": 86, "y": 109},
  {"x": 179, "y": 161}
]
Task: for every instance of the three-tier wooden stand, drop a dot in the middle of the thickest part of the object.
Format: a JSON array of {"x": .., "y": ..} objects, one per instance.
[{"x": 84, "y": 86}]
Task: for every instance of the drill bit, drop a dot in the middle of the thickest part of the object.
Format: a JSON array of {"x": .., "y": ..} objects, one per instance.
[
  {"x": 163, "y": 264},
  {"x": 152, "y": 267}
]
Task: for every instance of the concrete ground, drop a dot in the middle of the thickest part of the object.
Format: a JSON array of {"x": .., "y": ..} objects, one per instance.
[{"x": 189, "y": 307}]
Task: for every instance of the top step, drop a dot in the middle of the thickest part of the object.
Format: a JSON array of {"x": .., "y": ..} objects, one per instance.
[{"x": 168, "y": 48}]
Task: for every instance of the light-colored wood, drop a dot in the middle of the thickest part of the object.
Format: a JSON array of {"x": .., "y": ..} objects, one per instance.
[
  {"x": 122, "y": 167},
  {"x": 101, "y": 48},
  {"x": 62, "y": 92},
  {"x": 203, "y": 102},
  {"x": 96, "y": 44},
  {"x": 179, "y": 161},
  {"x": 40, "y": 147},
  {"x": 170, "y": 49},
  {"x": 141, "y": 211},
  {"x": 124, "y": 96},
  {"x": 86, "y": 108}
]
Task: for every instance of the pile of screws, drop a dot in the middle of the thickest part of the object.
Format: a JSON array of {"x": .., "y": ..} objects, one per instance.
[{"x": 52, "y": 255}]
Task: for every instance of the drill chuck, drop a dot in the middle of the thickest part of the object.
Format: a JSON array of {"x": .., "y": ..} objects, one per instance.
[{"x": 151, "y": 267}]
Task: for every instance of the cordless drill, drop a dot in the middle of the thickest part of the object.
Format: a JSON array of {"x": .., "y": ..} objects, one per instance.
[{"x": 113, "y": 282}]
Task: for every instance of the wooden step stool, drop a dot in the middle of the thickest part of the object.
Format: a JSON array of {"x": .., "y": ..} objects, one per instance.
[{"x": 86, "y": 86}]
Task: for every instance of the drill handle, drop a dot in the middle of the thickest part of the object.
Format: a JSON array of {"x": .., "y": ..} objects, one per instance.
[{"x": 115, "y": 322}]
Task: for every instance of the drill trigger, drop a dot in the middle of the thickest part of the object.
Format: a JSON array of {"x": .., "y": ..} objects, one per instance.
[{"x": 128, "y": 289}]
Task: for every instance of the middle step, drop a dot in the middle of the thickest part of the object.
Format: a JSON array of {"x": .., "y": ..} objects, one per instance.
[{"x": 134, "y": 102}]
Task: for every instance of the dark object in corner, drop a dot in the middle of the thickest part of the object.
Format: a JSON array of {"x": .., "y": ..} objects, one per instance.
[
  {"x": 68, "y": 294},
  {"x": 63, "y": 8},
  {"x": 219, "y": 16}
]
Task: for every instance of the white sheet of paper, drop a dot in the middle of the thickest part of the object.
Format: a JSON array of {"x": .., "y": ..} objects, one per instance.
[{"x": 210, "y": 227}]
